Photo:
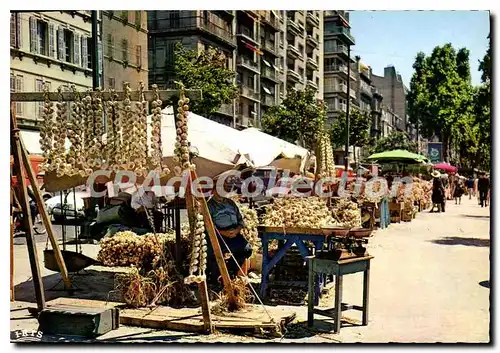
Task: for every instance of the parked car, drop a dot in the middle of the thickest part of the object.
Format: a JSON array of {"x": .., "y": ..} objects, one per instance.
[{"x": 70, "y": 209}]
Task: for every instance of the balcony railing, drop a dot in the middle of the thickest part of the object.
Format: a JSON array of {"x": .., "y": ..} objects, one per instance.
[
  {"x": 314, "y": 42},
  {"x": 294, "y": 76},
  {"x": 336, "y": 68},
  {"x": 227, "y": 109},
  {"x": 340, "y": 30},
  {"x": 366, "y": 90},
  {"x": 268, "y": 100},
  {"x": 269, "y": 46},
  {"x": 312, "y": 63},
  {"x": 293, "y": 52},
  {"x": 293, "y": 27},
  {"x": 248, "y": 63},
  {"x": 312, "y": 84},
  {"x": 269, "y": 73},
  {"x": 312, "y": 18},
  {"x": 247, "y": 33},
  {"x": 339, "y": 49},
  {"x": 249, "y": 93},
  {"x": 271, "y": 20},
  {"x": 353, "y": 93}
]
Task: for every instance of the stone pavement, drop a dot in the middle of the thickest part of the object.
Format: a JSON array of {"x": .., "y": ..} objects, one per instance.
[{"x": 429, "y": 283}]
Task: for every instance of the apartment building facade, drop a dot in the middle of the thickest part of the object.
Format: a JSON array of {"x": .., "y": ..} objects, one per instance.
[
  {"x": 48, "y": 48},
  {"x": 268, "y": 50},
  {"x": 125, "y": 48},
  {"x": 394, "y": 91},
  {"x": 337, "y": 39}
]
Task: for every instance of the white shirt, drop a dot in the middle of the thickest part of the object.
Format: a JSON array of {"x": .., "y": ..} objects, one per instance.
[{"x": 143, "y": 198}]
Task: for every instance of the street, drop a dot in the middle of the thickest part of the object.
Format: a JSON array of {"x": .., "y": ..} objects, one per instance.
[{"x": 429, "y": 283}]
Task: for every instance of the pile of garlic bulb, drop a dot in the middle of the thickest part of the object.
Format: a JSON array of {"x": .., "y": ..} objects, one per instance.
[
  {"x": 250, "y": 224},
  {"x": 127, "y": 248},
  {"x": 346, "y": 213},
  {"x": 302, "y": 212},
  {"x": 198, "y": 260},
  {"x": 326, "y": 165}
]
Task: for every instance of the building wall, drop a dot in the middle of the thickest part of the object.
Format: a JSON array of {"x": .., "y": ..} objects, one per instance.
[
  {"x": 393, "y": 90},
  {"x": 39, "y": 56},
  {"x": 125, "y": 48}
]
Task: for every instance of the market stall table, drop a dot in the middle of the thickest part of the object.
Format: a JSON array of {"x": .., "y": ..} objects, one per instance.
[
  {"x": 338, "y": 268},
  {"x": 291, "y": 236}
]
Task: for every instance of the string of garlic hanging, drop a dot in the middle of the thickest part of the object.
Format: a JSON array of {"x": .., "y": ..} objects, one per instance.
[
  {"x": 117, "y": 120},
  {"x": 110, "y": 133},
  {"x": 198, "y": 262},
  {"x": 155, "y": 123},
  {"x": 74, "y": 128},
  {"x": 59, "y": 132},
  {"x": 127, "y": 121},
  {"x": 88, "y": 134}
]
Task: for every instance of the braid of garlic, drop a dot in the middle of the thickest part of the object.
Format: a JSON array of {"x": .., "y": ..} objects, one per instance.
[
  {"x": 117, "y": 127},
  {"x": 198, "y": 263},
  {"x": 110, "y": 134},
  {"x": 156, "y": 151},
  {"x": 127, "y": 129},
  {"x": 59, "y": 131},
  {"x": 139, "y": 129},
  {"x": 46, "y": 130},
  {"x": 88, "y": 134},
  {"x": 74, "y": 134},
  {"x": 98, "y": 115}
]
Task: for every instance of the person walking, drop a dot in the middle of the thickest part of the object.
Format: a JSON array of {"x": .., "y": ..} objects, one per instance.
[
  {"x": 476, "y": 191},
  {"x": 470, "y": 187},
  {"x": 438, "y": 191},
  {"x": 483, "y": 186},
  {"x": 458, "y": 191}
]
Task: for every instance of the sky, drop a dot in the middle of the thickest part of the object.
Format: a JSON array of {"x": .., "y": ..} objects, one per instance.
[{"x": 395, "y": 37}]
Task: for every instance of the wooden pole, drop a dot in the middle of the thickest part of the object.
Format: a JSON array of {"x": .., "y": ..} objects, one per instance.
[
  {"x": 45, "y": 217},
  {"x": 23, "y": 196},
  {"x": 209, "y": 226}
]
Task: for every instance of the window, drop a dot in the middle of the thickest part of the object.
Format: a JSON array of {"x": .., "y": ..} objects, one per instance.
[
  {"x": 330, "y": 45},
  {"x": 111, "y": 45},
  {"x": 125, "y": 50},
  {"x": 17, "y": 85},
  {"x": 249, "y": 81},
  {"x": 329, "y": 84},
  {"x": 138, "y": 55},
  {"x": 138, "y": 18},
  {"x": 68, "y": 46},
  {"x": 38, "y": 36},
  {"x": 301, "y": 49},
  {"x": 85, "y": 53},
  {"x": 111, "y": 83},
  {"x": 52, "y": 38},
  {"x": 160, "y": 58},
  {"x": 301, "y": 72},
  {"x": 124, "y": 16},
  {"x": 174, "y": 19},
  {"x": 15, "y": 30}
]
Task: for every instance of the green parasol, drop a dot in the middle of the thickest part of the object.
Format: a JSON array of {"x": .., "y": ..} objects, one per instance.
[{"x": 398, "y": 156}]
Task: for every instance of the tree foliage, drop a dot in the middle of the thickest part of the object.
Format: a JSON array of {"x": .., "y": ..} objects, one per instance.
[
  {"x": 396, "y": 140},
  {"x": 441, "y": 95},
  {"x": 207, "y": 71},
  {"x": 359, "y": 129},
  {"x": 298, "y": 119}
]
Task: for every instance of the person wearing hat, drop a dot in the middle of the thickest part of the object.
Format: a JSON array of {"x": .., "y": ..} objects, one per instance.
[
  {"x": 228, "y": 222},
  {"x": 438, "y": 191}
]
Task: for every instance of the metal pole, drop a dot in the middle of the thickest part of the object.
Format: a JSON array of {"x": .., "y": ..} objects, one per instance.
[
  {"x": 95, "y": 53},
  {"x": 346, "y": 155}
]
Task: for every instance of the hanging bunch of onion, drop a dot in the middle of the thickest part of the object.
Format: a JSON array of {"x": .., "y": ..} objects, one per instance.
[
  {"x": 155, "y": 123},
  {"x": 74, "y": 134},
  {"x": 346, "y": 213},
  {"x": 127, "y": 248},
  {"x": 198, "y": 259},
  {"x": 250, "y": 224},
  {"x": 181, "y": 150},
  {"x": 303, "y": 212},
  {"x": 59, "y": 132},
  {"x": 46, "y": 131}
]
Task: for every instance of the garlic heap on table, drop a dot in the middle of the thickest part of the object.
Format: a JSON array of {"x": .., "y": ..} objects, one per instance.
[
  {"x": 346, "y": 213},
  {"x": 198, "y": 263},
  {"x": 300, "y": 212},
  {"x": 46, "y": 131},
  {"x": 181, "y": 150},
  {"x": 127, "y": 248}
]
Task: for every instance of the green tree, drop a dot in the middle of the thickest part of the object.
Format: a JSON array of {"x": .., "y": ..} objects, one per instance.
[
  {"x": 359, "y": 129},
  {"x": 207, "y": 71},
  {"x": 440, "y": 89},
  {"x": 396, "y": 140},
  {"x": 298, "y": 119}
]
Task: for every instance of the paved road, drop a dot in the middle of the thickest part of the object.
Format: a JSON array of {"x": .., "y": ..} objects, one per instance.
[{"x": 429, "y": 283}]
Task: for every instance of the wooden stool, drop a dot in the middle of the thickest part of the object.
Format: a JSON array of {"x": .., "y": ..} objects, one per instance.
[{"x": 338, "y": 269}]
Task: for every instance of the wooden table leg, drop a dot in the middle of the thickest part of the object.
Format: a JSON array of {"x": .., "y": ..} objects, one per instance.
[
  {"x": 311, "y": 294},
  {"x": 338, "y": 303},
  {"x": 366, "y": 294}
]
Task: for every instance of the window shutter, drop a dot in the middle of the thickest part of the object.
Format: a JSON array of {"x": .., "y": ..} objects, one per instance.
[
  {"x": 12, "y": 30},
  {"x": 18, "y": 30},
  {"x": 33, "y": 36},
  {"x": 19, "y": 88},
  {"x": 12, "y": 83},
  {"x": 139, "y": 55},
  {"x": 52, "y": 47},
  {"x": 60, "y": 43},
  {"x": 85, "y": 62},
  {"x": 76, "y": 48}
]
